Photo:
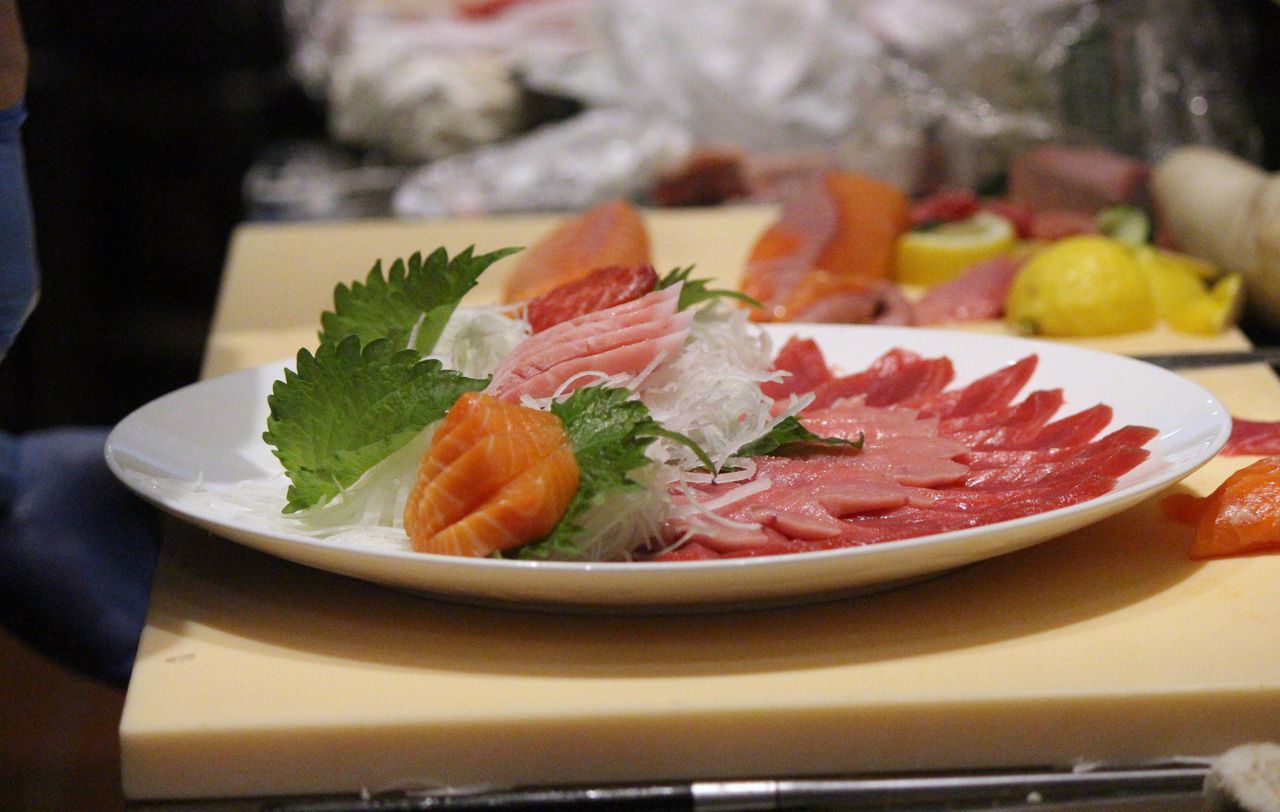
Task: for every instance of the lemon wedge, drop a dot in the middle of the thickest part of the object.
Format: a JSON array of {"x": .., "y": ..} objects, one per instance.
[
  {"x": 1081, "y": 286},
  {"x": 1190, "y": 294},
  {"x": 940, "y": 253}
]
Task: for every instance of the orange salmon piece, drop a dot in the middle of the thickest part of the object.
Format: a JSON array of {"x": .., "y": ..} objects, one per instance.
[
  {"x": 471, "y": 418},
  {"x": 839, "y": 235},
  {"x": 610, "y": 233},
  {"x": 524, "y": 509},
  {"x": 484, "y": 468},
  {"x": 873, "y": 214},
  {"x": 1241, "y": 517},
  {"x": 478, "y": 465}
]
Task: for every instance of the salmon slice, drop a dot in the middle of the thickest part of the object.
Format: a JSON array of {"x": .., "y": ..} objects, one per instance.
[
  {"x": 488, "y": 456},
  {"x": 468, "y": 420},
  {"x": 836, "y": 237},
  {"x": 1241, "y": 517},
  {"x": 478, "y": 473},
  {"x": 524, "y": 509},
  {"x": 610, "y": 233}
]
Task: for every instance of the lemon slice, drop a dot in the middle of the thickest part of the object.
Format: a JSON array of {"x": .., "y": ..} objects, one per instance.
[
  {"x": 1187, "y": 297},
  {"x": 1081, "y": 286},
  {"x": 940, "y": 253}
]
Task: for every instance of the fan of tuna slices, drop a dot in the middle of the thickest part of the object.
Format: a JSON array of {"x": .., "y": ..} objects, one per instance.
[
  {"x": 935, "y": 458},
  {"x": 623, "y": 340}
]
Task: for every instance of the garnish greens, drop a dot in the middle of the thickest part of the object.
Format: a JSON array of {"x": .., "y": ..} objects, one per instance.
[
  {"x": 789, "y": 432},
  {"x": 411, "y": 303},
  {"x": 608, "y": 434},
  {"x": 347, "y": 408},
  {"x": 695, "y": 291}
]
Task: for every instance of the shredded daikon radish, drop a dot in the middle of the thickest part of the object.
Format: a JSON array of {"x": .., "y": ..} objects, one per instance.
[
  {"x": 627, "y": 519},
  {"x": 739, "y": 493},
  {"x": 711, "y": 391},
  {"x": 475, "y": 340}
]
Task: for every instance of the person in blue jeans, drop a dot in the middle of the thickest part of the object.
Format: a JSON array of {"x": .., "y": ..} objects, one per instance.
[{"x": 77, "y": 549}]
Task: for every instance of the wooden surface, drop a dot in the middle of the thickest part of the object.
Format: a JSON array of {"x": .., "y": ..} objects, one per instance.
[{"x": 257, "y": 677}]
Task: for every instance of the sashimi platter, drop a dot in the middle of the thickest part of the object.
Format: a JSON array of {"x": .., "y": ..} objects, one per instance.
[{"x": 635, "y": 442}]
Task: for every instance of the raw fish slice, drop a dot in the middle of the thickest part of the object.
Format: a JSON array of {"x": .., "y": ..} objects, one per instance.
[
  {"x": 1114, "y": 462},
  {"x": 791, "y": 247},
  {"x": 920, "y": 460},
  {"x": 807, "y": 369},
  {"x": 524, "y": 509},
  {"x": 630, "y": 359},
  {"x": 976, "y": 294},
  {"x": 1261, "y": 437},
  {"x": 965, "y": 509},
  {"x": 585, "y": 343},
  {"x": 988, "y": 392},
  {"x": 849, "y": 419},
  {"x": 836, "y": 237},
  {"x": 599, "y": 290},
  {"x": 484, "y": 450},
  {"x": 689, "y": 551},
  {"x": 1129, "y": 436},
  {"x": 471, "y": 478},
  {"x": 648, "y": 308},
  {"x": 468, "y": 420},
  {"x": 1034, "y": 410},
  {"x": 1021, "y": 423},
  {"x": 611, "y": 233},
  {"x": 1077, "y": 429},
  {"x": 898, "y": 376}
]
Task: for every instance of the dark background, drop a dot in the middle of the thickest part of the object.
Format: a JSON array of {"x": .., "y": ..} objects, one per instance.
[{"x": 144, "y": 116}]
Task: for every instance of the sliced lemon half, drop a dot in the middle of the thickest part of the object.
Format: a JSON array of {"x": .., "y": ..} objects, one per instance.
[{"x": 941, "y": 253}]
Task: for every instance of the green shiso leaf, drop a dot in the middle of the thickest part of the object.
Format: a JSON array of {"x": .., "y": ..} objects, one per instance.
[
  {"x": 414, "y": 298},
  {"x": 695, "y": 291},
  {"x": 608, "y": 434},
  {"x": 345, "y": 409},
  {"x": 787, "y": 434}
]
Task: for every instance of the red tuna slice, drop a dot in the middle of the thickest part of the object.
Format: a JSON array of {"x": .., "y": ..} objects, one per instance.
[
  {"x": 1128, "y": 436},
  {"x": 1077, "y": 429},
  {"x": 1260, "y": 437},
  {"x": 897, "y": 377},
  {"x": 1034, "y": 410},
  {"x": 976, "y": 294},
  {"x": 1025, "y": 421},
  {"x": 601, "y": 289},
  {"x": 991, "y": 391},
  {"x": 958, "y": 509},
  {"x": 807, "y": 369},
  {"x": 794, "y": 513},
  {"x": 1113, "y": 462},
  {"x": 919, "y": 460},
  {"x": 1015, "y": 503},
  {"x": 851, "y": 418}
]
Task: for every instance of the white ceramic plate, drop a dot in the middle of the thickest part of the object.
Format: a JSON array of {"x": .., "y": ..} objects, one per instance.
[{"x": 210, "y": 433}]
